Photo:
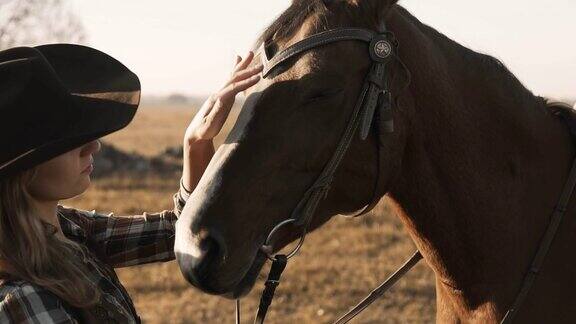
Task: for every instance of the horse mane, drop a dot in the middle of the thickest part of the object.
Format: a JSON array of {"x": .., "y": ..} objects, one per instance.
[
  {"x": 292, "y": 19},
  {"x": 489, "y": 64}
]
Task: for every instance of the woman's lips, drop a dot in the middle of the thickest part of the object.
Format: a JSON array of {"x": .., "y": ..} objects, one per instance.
[{"x": 88, "y": 169}]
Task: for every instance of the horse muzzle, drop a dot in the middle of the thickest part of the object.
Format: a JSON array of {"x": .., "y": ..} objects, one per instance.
[{"x": 199, "y": 256}]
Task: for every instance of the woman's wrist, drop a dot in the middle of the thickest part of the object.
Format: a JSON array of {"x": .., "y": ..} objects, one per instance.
[
  {"x": 197, "y": 155},
  {"x": 192, "y": 144}
]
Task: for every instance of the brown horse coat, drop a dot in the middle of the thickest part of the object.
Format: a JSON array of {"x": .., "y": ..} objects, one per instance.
[{"x": 475, "y": 167}]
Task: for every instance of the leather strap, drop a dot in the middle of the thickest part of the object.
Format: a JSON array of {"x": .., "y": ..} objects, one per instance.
[
  {"x": 545, "y": 244},
  {"x": 362, "y": 117},
  {"x": 378, "y": 83},
  {"x": 381, "y": 290},
  {"x": 379, "y": 189},
  {"x": 272, "y": 282},
  {"x": 320, "y": 39},
  {"x": 306, "y": 208},
  {"x": 384, "y": 124}
]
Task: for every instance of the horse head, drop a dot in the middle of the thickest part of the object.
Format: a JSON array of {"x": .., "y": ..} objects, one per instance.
[{"x": 289, "y": 127}]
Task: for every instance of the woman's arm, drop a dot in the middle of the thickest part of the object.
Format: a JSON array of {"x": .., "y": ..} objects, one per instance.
[
  {"x": 208, "y": 122},
  {"x": 122, "y": 241}
]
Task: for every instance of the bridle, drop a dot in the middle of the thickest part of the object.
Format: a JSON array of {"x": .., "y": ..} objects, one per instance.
[
  {"x": 373, "y": 103},
  {"x": 373, "y": 107}
]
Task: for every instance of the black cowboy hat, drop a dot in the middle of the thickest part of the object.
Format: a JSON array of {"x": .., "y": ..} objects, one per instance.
[{"x": 54, "y": 98}]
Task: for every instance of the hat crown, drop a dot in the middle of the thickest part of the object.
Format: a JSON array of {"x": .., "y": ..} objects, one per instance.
[
  {"x": 34, "y": 104},
  {"x": 54, "y": 98}
]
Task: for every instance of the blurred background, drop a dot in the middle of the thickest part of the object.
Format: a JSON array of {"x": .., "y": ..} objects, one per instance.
[
  {"x": 182, "y": 51},
  {"x": 187, "y": 47}
]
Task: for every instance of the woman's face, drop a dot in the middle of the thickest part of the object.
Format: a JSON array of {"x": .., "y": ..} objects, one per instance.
[{"x": 65, "y": 176}]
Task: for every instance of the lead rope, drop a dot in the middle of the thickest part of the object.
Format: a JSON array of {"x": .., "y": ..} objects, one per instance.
[
  {"x": 381, "y": 290},
  {"x": 279, "y": 265}
]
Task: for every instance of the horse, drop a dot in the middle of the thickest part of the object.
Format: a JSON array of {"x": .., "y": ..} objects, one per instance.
[{"x": 474, "y": 166}]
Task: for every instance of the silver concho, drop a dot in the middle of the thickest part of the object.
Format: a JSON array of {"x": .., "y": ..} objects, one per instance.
[{"x": 382, "y": 49}]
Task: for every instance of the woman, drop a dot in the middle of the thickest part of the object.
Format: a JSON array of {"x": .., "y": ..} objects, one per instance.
[{"x": 56, "y": 263}]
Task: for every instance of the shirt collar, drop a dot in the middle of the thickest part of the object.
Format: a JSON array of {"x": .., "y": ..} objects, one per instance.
[{"x": 71, "y": 229}]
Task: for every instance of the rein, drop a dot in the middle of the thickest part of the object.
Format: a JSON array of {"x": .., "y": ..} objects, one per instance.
[{"x": 375, "y": 94}]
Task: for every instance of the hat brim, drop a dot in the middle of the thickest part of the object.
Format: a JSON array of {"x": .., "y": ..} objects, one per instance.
[{"x": 105, "y": 92}]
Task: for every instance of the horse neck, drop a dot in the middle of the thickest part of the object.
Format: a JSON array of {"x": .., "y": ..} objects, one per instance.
[{"x": 483, "y": 166}]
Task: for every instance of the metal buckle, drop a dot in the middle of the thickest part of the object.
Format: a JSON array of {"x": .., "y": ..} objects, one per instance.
[{"x": 266, "y": 248}]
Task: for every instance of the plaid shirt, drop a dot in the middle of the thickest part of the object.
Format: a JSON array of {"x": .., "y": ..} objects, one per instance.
[{"x": 108, "y": 241}]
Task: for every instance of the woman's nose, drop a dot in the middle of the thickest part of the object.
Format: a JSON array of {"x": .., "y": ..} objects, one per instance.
[
  {"x": 98, "y": 146},
  {"x": 91, "y": 147}
]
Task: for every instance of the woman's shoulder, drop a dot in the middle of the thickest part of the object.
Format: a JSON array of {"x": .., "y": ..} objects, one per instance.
[
  {"x": 79, "y": 214},
  {"x": 10, "y": 287},
  {"x": 22, "y": 301},
  {"x": 77, "y": 224}
]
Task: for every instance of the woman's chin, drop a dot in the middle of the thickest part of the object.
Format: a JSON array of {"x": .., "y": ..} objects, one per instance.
[
  {"x": 79, "y": 188},
  {"x": 84, "y": 185}
]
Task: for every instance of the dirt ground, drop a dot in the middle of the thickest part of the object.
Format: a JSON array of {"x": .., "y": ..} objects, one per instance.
[{"x": 338, "y": 266}]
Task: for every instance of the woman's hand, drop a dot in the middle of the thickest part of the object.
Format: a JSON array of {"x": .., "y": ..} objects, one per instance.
[
  {"x": 208, "y": 122},
  {"x": 210, "y": 118}
]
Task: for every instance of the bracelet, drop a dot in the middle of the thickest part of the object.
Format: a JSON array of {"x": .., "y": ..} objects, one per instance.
[
  {"x": 183, "y": 193},
  {"x": 184, "y": 188}
]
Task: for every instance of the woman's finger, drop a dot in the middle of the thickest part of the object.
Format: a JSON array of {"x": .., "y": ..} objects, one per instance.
[
  {"x": 234, "y": 88},
  {"x": 237, "y": 61},
  {"x": 245, "y": 74},
  {"x": 244, "y": 62}
]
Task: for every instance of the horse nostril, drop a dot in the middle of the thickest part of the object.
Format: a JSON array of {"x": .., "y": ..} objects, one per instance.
[
  {"x": 211, "y": 254},
  {"x": 199, "y": 255}
]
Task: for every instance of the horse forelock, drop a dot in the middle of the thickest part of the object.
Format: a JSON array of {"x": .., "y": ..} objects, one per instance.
[{"x": 291, "y": 20}]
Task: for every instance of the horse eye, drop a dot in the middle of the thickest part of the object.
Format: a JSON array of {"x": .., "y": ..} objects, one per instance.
[{"x": 323, "y": 94}]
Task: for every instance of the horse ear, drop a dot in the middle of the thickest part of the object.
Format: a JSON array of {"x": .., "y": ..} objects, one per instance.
[{"x": 379, "y": 6}]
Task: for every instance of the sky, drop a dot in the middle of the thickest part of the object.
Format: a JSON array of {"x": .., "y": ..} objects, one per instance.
[{"x": 188, "y": 46}]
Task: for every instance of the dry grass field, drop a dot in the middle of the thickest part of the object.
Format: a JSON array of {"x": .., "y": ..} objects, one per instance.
[{"x": 339, "y": 264}]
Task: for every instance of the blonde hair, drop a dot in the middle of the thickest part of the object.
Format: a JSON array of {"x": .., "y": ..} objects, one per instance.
[{"x": 31, "y": 250}]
